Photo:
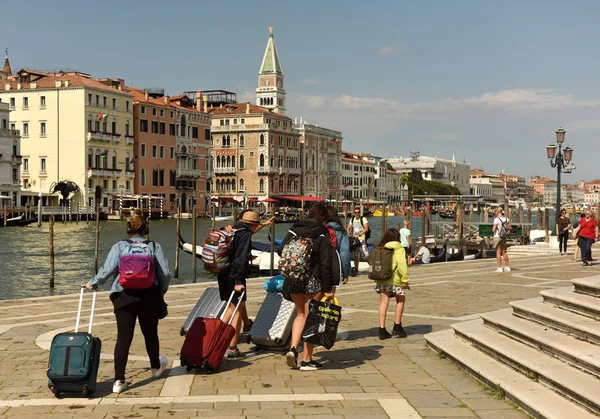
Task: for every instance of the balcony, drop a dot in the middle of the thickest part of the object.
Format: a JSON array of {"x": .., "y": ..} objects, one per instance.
[
  {"x": 98, "y": 172},
  {"x": 129, "y": 139},
  {"x": 5, "y": 132},
  {"x": 224, "y": 170},
  {"x": 267, "y": 169},
  {"x": 115, "y": 138},
  {"x": 189, "y": 173},
  {"x": 292, "y": 171},
  {"x": 182, "y": 140},
  {"x": 16, "y": 160},
  {"x": 130, "y": 174},
  {"x": 99, "y": 136}
]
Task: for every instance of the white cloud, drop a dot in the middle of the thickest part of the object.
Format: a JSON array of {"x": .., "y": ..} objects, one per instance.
[{"x": 392, "y": 49}]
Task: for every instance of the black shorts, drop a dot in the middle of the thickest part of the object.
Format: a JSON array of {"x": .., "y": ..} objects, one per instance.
[{"x": 227, "y": 286}]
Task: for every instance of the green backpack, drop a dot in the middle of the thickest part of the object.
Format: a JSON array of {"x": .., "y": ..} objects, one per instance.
[{"x": 381, "y": 263}]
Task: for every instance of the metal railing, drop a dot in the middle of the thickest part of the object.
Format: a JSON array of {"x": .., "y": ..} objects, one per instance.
[{"x": 221, "y": 170}]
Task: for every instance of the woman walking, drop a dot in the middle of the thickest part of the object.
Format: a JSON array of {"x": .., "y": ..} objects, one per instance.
[
  {"x": 588, "y": 234},
  {"x": 393, "y": 287},
  {"x": 318, "y": 280},
  {"x": 562, "y": 231},
  {"x": 343, "y": 241},
  {"x": 132, "y": 298}
]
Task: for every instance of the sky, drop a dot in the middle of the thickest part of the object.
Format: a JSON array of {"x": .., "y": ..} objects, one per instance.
[{"x": 487, "y": 82}]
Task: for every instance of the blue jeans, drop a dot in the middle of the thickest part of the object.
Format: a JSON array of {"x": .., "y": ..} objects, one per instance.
[{"x": 585, "y": 244}]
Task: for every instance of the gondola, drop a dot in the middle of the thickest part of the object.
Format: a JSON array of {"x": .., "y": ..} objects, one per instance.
[
  {"x": 456, "y": 256},
  {"x": 446, "y": 214},
  {"x": 17, "y": 221},
  {"x": 440, "y": 257}
]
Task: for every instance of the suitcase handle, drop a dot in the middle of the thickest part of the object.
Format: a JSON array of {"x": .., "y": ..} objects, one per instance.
[
  {"x": 236, "y": 306},
  {"x": 79, "y": 310}
]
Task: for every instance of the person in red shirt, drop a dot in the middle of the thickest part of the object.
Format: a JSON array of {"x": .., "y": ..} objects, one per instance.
[{"x": 588, "y": 233}]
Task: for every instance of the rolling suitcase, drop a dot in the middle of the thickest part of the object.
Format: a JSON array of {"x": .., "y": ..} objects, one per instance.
[
  {"x": 75, "y": 358},
  {"x": 207, "y": 341},
  {"x": 272, "y": 328},
  {"x": 208, "y": 306}
]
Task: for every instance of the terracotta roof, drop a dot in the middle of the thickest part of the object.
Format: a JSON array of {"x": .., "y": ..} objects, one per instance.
[
  {"x": 240, "y": 108},
  {"x": 48, "y": 81},
  {"x": 356, "y": 160},
  {"x": 139, "y": 95}
]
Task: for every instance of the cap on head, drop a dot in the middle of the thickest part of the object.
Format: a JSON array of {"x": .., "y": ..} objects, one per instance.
[{"x": 250, "y": 217}]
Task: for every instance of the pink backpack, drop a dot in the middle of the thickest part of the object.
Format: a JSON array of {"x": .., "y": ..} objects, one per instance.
[{"x": 137, "y": 265}]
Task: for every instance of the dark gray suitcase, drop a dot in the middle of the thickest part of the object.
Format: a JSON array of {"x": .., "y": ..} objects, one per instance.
[
  {"x": 272, "y": 328},
  {"x": 208, "y": 306}
]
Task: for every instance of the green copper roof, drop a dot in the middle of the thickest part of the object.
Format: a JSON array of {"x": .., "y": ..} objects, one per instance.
[{"x": 270, "y": 62}]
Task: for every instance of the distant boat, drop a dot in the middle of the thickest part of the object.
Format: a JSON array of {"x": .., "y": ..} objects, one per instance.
[
  {"x": 19, "y": 221},
  {"x": 223, "y": 218},
  {"x": 417, "y": 213},
  {"x": 379, "y": 213},
  {"x": 446, "y": 214}
]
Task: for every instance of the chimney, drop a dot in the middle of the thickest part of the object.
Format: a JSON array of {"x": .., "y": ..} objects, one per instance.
[
  {"x": 247, "y": 107},
  {"x": 205, "y": 103},
  {"x": 168, "y": 100},
  {"x": 199, "y": 101},
  {"x": 146, "y": 96}
]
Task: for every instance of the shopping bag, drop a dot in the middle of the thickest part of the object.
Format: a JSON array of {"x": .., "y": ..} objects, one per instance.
[{"x": 322, "y": 322}]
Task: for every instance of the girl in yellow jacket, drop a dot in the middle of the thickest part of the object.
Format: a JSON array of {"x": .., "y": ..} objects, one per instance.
[{"x": 393, "y": 287}]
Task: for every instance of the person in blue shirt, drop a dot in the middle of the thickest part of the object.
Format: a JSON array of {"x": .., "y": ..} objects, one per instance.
[
  {"x": 146, "y": 305},
  {"x": 576, "y": 236},
  {"x": 343, "y": 241}
]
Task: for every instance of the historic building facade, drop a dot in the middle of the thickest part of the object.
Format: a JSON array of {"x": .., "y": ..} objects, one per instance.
[
  {"x": 10, "y": 160},
  {"x": 320, "y": 160},
  {"x": 171, "y": 142},
  {"x": 73, "y": 127}
]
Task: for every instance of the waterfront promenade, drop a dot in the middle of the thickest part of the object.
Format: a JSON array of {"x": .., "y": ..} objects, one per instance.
[{"x": 363, "y": 376}]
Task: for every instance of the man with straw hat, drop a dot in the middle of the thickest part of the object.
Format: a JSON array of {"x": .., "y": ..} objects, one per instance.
[{"x": 235, "y": 278}]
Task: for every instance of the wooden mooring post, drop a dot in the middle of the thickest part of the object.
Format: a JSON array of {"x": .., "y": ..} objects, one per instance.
[
  {"x": 547, "y": 224},
  {"x": 384, "y": 220},
  {"x": 194, "y": 231},
  {"x": 178, "y": 228},
  {"x": 540, "y": 219},
  {"x": 272, "y": 233},
  {"x": 51, "y": 234}
]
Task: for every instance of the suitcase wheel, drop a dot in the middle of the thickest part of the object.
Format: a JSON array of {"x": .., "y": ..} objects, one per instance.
[
  {"x": 182, "y": 331},
  {"x": 189, "y": 368},
  {"x": 85, "y": 392},
  {"x": 54, "y": 390}
]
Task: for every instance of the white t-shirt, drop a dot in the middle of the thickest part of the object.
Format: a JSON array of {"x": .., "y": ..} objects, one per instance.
[
  {"x": 425, "y": 254},
  {"x": 498, "y": 223}
]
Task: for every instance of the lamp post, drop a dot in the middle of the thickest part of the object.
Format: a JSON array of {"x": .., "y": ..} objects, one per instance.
[{"x": 562, "y": 162}]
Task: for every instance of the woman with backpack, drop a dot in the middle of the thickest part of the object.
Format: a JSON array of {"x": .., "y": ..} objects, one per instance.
[
  {"x": 395, "y": 286},
  {"x": 342, "y": 241},
  {"x": 136, "y": 295},
  {"x": 500, "y": 229},
  {"x": 306, "y": 263}
]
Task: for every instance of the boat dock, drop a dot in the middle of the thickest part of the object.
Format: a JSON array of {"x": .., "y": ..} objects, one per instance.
[{"x": 363, "y": 376}]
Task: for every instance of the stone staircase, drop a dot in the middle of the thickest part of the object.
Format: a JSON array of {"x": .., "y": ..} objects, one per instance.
[{"x": 542, "y": 353}]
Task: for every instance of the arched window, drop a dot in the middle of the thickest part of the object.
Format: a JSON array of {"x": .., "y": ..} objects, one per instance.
[
  {"x": 218, "y": 161},
  {"x": 242, "y": 185},
  {"x": 228, "y": 184},
  {"x": 228, "y": 162},
  {"x": 89, "y": 123},
  {"x": 143, "y": 177},
  {"x": 97, "y": 159},
  {"x": 261, "y": 185},
  {"x": 233, "y": 185},
  {"x": 154, "y": 177},
  {"x": 223, "y": 161},
  {"x": 90, "y": 160},
  {"x": 228, "y": 141},
  {"x": 232, "y": 161},
  {"x": 182, "y": 125},
  {"x": 241, "y": 163},
  {"x": 218, "y": 185},
  {"x": 241, "y": 140},
  {"x": 183, "y": 149},
  {"x": 313, "y": 162},
  {"x": 306, "y": 162},
  {"x": 261, "y": 160},
  {"x": 262, "y": 139},
  {"x": 114, "y": 159}
]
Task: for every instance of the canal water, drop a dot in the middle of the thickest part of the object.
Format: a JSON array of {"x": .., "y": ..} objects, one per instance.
[{"x": 25, "y": 261}]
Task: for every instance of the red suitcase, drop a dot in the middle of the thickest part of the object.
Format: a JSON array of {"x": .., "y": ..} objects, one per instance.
[{"x": 207, "y": 341}]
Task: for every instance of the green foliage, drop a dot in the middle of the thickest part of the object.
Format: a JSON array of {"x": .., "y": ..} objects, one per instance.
[{"x": 419, "y": 186}]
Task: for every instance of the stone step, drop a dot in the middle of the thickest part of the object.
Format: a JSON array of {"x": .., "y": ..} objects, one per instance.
[
  {"x": 588, "y": 286},
  {"x": 580, "y": 354},
  {"x": 568, "y": 299},
  {"x": 536, "y": 310},
  {"x": 573, "y": 384},
  {"x": 533, "y": 249},
  {"x": 531, "y": 396}
]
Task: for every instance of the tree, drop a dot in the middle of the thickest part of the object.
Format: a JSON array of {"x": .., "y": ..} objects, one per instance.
[{"x": 388, "y": 166}]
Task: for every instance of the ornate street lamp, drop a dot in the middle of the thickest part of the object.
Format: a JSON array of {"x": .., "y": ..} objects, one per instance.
[{"x": 562, "y": 162}]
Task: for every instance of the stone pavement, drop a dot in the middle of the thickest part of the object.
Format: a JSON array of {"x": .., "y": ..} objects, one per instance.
[{"x": 363, "y": 376}]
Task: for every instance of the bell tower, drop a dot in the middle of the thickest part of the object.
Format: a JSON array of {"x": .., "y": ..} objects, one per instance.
[{"x": 270, "y": 93}]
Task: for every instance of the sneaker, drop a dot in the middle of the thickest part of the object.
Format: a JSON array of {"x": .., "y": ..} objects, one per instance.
[
  {"x": 291, "y": 358},
  {"x": 233, "y": 354},
  {"x": 499, "y": 270},
  {"x": 384, "y": 334},
  {"x": 354, "y": 272},
  {"x": 399, "y": 331},
  {"x": 247, "y": 328},
  {"x": 119, "y": 386},
  {"x": 163, "y": 366},
  {"x": 507, "y": 269},
  {"x": 310, "y": 365}
]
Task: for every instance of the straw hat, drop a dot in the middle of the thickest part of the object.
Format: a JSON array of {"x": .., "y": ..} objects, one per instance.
[{"x": 250, "y": 217}]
